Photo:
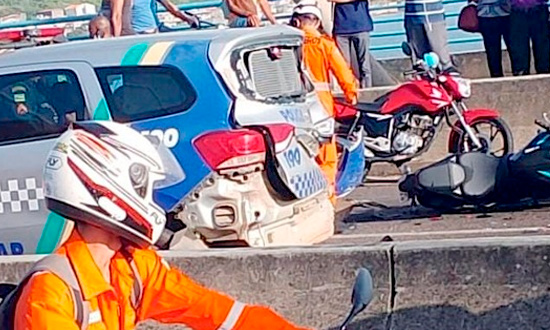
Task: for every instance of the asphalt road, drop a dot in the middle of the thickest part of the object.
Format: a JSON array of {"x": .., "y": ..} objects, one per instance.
[{"x": 369, "y": 223}]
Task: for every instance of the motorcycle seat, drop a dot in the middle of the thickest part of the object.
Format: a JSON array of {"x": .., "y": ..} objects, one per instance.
[
  {"x": 443, "y": 176},
  {"x": 481, "y": 173},
  {"x": 364, "y": 106},
  {"x": 369, "y": 107}
]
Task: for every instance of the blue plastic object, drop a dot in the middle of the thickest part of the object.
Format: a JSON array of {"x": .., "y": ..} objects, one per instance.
[{"x": 431, "y": 60}]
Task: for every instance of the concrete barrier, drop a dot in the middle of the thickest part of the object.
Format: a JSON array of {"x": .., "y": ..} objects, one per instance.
[
  {"x": 520, "y": 100},
  {"x": 471, "y": 65},
  {"x": 490, "y": 283}
]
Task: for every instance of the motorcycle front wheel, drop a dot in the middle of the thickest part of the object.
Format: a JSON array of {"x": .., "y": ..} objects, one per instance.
[{"x": 494, "y": 134}]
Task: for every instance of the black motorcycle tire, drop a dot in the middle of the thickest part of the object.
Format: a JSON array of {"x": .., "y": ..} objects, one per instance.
[
  {"x": 439, "y": 202},
  {"x": 366, "y": 170},
  {"x": 501, "y": 127}
]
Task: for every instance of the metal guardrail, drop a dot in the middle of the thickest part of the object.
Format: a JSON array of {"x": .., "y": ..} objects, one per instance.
[
  {"x": 217, "y": 3},
  {"x": 401, "y": 33},
  {"x": 72, "y": 19}
]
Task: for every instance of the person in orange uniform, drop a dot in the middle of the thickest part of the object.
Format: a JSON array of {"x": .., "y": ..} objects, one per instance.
[
  {"x": 104, "y": 181},
  {"x": 322, "y": 58}
]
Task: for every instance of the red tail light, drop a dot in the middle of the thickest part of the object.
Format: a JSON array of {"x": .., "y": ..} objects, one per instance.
[
  {"x": 18, "y": 35},
  {"x": 11, "y": 35},
  {"x": 229, "y": 149},
  {"x": 45, "y": 32}
]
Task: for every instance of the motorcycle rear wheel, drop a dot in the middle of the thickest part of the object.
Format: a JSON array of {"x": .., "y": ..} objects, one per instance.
[{"x": 497, "y": 127}]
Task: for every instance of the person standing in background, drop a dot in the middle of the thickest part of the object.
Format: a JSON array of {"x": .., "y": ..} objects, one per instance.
[
  {"x": 494, "y": 25},
  {"x": 100, "y": 27},
  {"x": 529, "y": 23},
  {"x": 244, "y": 13},
  {"x": 119, "y": 12},
  {"x": 426, "y": 30},
  {"x": 192, "y": 20},
  {"x": 352, "y": 24}
]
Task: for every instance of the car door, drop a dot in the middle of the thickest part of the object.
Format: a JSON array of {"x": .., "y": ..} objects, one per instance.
[{"x": 37, "y": 102}]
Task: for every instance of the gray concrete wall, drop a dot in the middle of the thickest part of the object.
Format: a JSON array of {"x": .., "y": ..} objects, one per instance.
[
  {"x": 491, "y": 283},
  {"x": 520, "y": 100},
  {"x": 470, "y": 65}
]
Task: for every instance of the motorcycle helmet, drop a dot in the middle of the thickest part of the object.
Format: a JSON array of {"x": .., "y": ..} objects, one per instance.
[{"x": 104, "y": 173}]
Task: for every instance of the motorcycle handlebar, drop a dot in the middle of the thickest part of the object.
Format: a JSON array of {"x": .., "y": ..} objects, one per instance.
[
  {"x": 542, "y": 124},
  {"x": 421, "y": 72},
  {"x": 410, "y": 72}
]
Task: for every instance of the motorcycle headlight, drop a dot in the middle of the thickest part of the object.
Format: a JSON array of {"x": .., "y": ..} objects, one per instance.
[{"x": 464, "y": 87}]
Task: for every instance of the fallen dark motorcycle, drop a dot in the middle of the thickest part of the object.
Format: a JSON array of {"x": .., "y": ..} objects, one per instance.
[{"x": 482, "y": 181}]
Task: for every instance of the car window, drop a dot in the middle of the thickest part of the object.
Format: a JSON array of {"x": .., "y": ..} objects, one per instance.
[
  {"x": 144, "y": 92},
  {"x": 276, "y": 73},
  {"x": 39, "y": 104}
]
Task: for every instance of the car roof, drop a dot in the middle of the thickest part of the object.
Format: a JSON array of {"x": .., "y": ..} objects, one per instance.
[{"x": 110, "y": 52}]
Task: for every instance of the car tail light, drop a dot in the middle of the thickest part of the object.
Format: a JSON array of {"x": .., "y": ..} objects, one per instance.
[
  {"x": 281, "y": 134},
  {"x": 230, "y": 149},
  {"x": 44, "y": 32},
  {"x": 18, "y": 35},
  {"x": 11, "y": 35}
]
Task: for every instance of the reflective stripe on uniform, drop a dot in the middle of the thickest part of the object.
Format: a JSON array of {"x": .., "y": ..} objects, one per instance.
[
  {"x": 233, "y": 316},
  {"x": 321, "y": 86}
]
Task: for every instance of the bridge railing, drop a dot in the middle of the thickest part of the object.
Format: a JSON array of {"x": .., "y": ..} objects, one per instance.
[{"x": 388, "y": 34}]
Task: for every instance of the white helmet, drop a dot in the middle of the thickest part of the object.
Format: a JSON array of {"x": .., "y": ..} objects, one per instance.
[
  {"x": 104, "y": 173},
  {"x": 308, "y": 7}
]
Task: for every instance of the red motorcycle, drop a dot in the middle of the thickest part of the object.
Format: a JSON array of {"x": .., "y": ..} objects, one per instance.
[{"x": 403, "y": 123}]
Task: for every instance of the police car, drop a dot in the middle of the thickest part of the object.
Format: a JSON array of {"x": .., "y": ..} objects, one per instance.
[{"x": 233, "y": 105}]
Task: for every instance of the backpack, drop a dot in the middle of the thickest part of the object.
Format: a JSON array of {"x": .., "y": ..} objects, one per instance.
[{"x": 60, "y": 266}]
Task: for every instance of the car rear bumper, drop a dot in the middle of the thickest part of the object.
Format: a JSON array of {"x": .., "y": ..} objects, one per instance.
[{"x": 243, "y": 208}]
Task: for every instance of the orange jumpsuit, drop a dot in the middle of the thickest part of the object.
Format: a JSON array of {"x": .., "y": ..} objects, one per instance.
[
  {"x": 322, "y": 57},
  {"x": 168, "y": 296}
]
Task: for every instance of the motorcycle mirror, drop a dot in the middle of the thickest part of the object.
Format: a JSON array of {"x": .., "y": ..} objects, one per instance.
[
  {"x": 361, "y": 295},
  {"x": 431, "y": 59}
]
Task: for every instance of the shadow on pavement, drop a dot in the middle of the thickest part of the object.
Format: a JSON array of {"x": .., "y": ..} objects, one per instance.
[
  {"x": 372, "y": 211},
  {"x": 532, "y": 314},
  {"x": 368, "y": 213}
]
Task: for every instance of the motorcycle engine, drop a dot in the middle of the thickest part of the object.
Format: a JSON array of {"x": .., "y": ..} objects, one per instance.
[{"x": 410, "y": 133}]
